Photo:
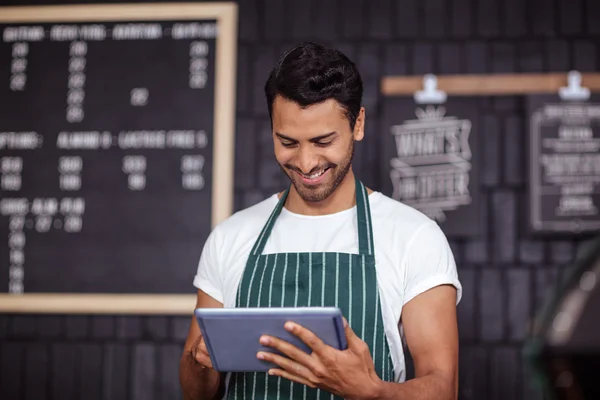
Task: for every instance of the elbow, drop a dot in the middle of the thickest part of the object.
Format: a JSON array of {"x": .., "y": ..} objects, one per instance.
[{"x": 447, "y": 384}]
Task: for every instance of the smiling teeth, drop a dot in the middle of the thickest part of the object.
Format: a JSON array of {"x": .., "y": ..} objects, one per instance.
[{"x": 316, "y": 175}]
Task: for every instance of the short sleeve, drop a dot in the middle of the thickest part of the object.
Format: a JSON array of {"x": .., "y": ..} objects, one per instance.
[
  {"x": 208, "y": 277},
  {"x": 429, "y": 262}
]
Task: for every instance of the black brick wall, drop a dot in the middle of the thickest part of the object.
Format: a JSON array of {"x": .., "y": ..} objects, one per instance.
[{"x": 506, "y": 273}]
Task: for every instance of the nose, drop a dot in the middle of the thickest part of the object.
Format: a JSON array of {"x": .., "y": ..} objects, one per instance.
[{"x": 307, "y": 160}]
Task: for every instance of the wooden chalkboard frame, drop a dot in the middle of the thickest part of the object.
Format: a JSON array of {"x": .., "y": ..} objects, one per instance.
[{"x": 226, "y": 15}]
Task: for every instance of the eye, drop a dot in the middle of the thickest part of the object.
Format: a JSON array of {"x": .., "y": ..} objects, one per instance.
[
  {"x": 324, "y": 144},
  {"x": 288, "y": 144}
]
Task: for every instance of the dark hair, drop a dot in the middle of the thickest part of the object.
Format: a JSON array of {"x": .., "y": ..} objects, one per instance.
[{"x": 309, "y": 73}]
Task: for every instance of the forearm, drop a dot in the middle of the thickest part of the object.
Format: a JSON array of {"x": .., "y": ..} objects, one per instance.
[
  {"x": 428, "y": 387},
  {"x": 199, "y": 383}
]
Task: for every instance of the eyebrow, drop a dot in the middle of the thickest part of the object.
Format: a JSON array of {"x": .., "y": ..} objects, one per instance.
[{"x": 313, "y": 140}]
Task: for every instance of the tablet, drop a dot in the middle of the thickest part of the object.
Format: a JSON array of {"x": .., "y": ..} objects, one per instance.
[{"x": 232, "y": 334}]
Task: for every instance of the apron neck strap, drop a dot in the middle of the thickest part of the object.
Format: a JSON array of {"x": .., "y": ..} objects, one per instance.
[{"x": 363, "y": 212}]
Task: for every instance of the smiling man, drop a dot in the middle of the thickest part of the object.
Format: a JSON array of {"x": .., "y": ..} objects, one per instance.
[{"x": 328, "y": 240}]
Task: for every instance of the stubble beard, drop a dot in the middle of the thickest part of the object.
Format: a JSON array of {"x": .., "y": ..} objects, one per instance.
[{"x": 323, "y": 191}]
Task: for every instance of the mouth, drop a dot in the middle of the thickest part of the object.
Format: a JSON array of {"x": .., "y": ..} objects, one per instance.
[{"x": 313, "y": 178}]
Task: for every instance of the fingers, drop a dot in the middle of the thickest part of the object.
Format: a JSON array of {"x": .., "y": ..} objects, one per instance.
[
  {"x": 286, "y": 348},
  {"x": 292, "y": 377},
  {"x": 309, "y": 338},
  {"x": 200, "y": 353},
  {"x": 351, "y": 337}
]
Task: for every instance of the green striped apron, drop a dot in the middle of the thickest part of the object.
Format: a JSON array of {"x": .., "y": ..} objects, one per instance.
[{"x": 326, "y": 279}]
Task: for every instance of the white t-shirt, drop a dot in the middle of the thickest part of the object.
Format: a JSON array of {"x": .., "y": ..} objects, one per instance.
[{"x": 412, "y": 254}]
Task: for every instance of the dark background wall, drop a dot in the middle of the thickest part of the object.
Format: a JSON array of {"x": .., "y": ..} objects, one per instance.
[{"x": 506, "y": 273}]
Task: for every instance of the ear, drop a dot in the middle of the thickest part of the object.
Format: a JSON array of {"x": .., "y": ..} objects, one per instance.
[{"x": 359, "y": 126}]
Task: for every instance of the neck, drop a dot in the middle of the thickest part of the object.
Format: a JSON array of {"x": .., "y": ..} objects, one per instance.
[{"x": 342, "y": 198}]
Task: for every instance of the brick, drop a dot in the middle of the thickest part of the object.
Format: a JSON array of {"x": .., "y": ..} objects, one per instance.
[
  {"x": 557, "y": 55},
  {"x": 63, "y": 375},
  {"x": 491, "y": 300},
  {"x": 274, "y": 20},
  {"x": 531, "y": 251},
  {"x": 12, "y": 367},
  {"x": 90, "y": 381},
  {"x": 505, "y": 367},
  {"x": 368, "y": 61},
  {"x": 168, "y": 372},
  {"x": 506, "y": 104},
  {"x": 270, "y": 176},
  {"x": 466, "y": 309},
  {"x": 570, "y": 14},
  {"x": 473, "y": 376},
  {"x": 503, "y": 57},
  {"x": 180, "y": 327},
  {"x": 353, "y": 21},
  {"x": 325, "y": 22},
  {"x": 584, "y": 56},
  {"x": 515, "y": 13},
  {"x": 299, "y": 18},
  {"x": 435, "y": 18},
  {"x": 103, "y": 326},
  {"x": 143, "y": 374},
  {"x": 514, "y": 148},
  {"x": 36, "y": 371},
  {"x": 561, "y": 252},
  {"x": 543, "y": 21},
  {"x": 423, "y": 59},
  {"x": 476, "y": 251},
  {"x": 156, "y": 328},
  {"x": 245, "y": 154},
  {"x": 243, "y": 79},
  {"x": 395, "y": 59},
  {"x": 592, "y": 11},
  {"x": 23, "y": 326},
  {"x": 76, "y": 326},
  {"x": 129, "y": 327},
  {"x": 505, "y": 226},
  {"x": 370, "y": 94},
  {"x": 545, "y": 284},
  {"x": 531, "y": 56},
  {"x": 264, "y": 60},
  {"x": 49, "y": 326},
  {"x": 253, "y": 197},
  {"x": 488, "y": 14},
  {"x": 4, "y": 325},
  {"x": 461, "y": 18},
  {"x": 519, "y": 301},
  {"x": 477, "y": 57},
  {"x": 406, "y": 19},
  {"x": 115, "y": 370},
  {"x": 380, "y": 19},
  {"x": 248, "y": 21},
  {"x": 450, "y": 57},
  {"x": 490, "y": 129}
]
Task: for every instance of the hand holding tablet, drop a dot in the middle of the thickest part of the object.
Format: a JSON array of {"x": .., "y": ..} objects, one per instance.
[{"x": 232, "y": 334}]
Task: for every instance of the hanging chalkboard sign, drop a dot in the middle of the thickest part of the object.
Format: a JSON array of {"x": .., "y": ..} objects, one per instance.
[
  {"x": 116, "y": 153},
  {"x": 430, "y": 161},
  {"x": 564, "y": 165}
]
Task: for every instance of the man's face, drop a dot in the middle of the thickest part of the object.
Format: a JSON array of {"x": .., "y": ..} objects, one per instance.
[{"x": 314, "y": 145}]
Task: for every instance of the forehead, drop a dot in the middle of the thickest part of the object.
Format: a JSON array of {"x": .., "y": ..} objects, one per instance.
[{"x": 289, "y": 117}]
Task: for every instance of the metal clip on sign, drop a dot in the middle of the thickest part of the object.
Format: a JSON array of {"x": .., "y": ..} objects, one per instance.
[
  {"x": 573, "y": 91},
  {"x": 430, "y": 93}
]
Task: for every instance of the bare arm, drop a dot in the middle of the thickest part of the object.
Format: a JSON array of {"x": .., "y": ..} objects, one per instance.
[
  {"x": 431, "y": 331},
  {"x": 198, "y": 382}
]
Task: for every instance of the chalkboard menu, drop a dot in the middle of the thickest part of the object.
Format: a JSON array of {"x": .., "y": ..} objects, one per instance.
[
  {"x": 564, "y": 184},
  {"x": 116, "y": 151},
  {"x": 430, "y": 161}
]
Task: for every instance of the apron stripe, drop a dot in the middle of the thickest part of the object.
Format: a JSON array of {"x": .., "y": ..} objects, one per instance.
[
  {"x": 337, "y": 277},
  {"x": 323, "y": 282},
  {"x": 368, "y": 220},
  {"x": 375, "y": 332},
  {"x": 364, "y": 302},
  {"x": 350, "y": 290},
  {"x": 297, "y": 270}
]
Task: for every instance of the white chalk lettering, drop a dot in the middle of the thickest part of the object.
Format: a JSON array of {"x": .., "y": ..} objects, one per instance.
[
  {"x": 23, "y": 34},
  {"x": 137, "y": 32},
  {"x": 20, "y": 140}
]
